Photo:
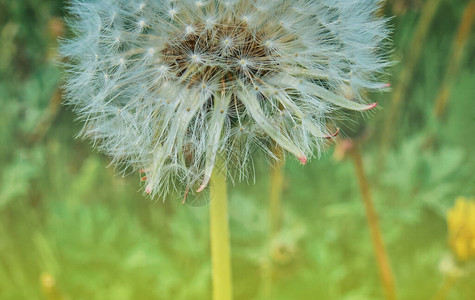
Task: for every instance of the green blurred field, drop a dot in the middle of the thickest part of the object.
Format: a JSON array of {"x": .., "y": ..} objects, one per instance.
[{"x": 70, "y": 228}]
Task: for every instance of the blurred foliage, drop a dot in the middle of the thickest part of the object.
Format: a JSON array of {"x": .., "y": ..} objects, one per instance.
[{"x": 72, "y": 229}]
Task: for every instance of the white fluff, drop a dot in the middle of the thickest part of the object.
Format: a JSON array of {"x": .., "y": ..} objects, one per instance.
[{"x": 168, "y": 86}]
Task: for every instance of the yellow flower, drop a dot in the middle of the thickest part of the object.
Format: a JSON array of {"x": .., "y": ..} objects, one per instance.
[{"x": 461, "y": 226}]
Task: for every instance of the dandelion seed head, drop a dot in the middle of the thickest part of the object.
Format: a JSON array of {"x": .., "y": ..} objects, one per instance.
[{"x": 168, "y": 86}]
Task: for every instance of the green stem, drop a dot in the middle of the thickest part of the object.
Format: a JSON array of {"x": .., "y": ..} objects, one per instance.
[{"x": 220, "y": 240}]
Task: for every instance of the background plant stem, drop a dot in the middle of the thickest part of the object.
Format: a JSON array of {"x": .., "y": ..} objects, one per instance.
[
  {"x": 445, "y": 288},
  {"x": 384, "y": 266},
  {"x": 455, "y": 59},
  {"x": 275, "y": 219},
  {"x": 407, "y": 73},
  {"x": 275, "y": 197},
  {"x": 220, "y": 240}
]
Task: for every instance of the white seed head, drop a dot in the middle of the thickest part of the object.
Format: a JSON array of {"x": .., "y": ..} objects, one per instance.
[{"x": 168, "y": 86}]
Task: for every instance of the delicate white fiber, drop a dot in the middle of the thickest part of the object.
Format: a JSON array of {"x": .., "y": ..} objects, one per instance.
[{"x": 167, "y": 86}]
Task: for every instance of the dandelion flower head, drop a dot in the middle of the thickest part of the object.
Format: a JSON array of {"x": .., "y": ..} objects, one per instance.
[{"x": 168, "y": 86}]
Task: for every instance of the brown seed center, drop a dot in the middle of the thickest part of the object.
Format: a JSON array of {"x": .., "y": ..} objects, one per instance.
[{"x": 198, "y": 54}]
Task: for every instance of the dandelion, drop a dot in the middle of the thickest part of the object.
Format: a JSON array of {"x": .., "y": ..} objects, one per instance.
[
  {"x": 182, "y": 90},
  {"x": 167, "y": 87},
  {"x": 461, "y": 226},
  {"x": 461, "y": 231}
]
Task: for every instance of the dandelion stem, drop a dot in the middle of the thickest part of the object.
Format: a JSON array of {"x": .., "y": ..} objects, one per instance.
[
  {"x": 275, "y": 197},
  {"x": 275, "y": 218},
  {"x": 220, "y": 240},
  {"x": 455, "y": 59},
  {"x": 384, "y": 266},
  {"x": 43, "y": 126},
  {"x": 407, "y": 73}
]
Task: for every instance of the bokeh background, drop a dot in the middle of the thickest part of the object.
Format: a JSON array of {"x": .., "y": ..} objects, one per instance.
[{"x": 71, "y": 228}]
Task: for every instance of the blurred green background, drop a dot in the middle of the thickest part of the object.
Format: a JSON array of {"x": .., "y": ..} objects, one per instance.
[{"x": 70, "y": 228}]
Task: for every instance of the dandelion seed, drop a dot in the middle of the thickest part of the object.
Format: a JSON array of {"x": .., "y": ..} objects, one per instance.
[
  {"x": 201, "y": 79},
  {"x": 189, "y": 29},
  {"x": 172, "y": 12}
]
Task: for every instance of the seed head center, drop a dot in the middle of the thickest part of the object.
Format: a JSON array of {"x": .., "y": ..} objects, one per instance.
[{"x": 223, "y": 51}]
